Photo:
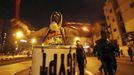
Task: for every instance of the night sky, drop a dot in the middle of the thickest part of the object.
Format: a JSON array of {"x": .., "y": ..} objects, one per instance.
[{"x": 37, "y": 12}]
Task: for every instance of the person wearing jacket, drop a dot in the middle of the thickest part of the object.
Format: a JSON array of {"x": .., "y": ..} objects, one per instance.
[
  {"x": 80, "y": 57},
  {"x": 105, "y": 51}
]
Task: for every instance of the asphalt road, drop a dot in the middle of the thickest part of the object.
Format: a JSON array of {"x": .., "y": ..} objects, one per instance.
[{"x": 123, "y": 67}]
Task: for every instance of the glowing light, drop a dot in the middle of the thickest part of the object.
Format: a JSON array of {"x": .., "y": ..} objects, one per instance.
[
  {"x": 25, "y": 41},
  {"x": 85, "y": 29},
  {"x": 42, "y": 44},
  {"x": 15, "y": 42},
  {"x": 77, "y": 38},
  {"x": 19, "y": 34},
  {"x": 74, "y": 27},
  {"x": 33, "y": 41}
]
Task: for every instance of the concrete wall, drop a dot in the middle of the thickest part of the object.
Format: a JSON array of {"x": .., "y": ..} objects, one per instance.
[{"x": 112, "y": 21}]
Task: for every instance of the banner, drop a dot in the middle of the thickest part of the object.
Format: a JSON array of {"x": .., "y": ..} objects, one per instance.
[{"x": 53, "y": 61}]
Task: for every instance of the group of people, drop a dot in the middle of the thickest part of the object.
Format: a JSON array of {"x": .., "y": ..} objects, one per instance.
[{"x": 105, "y": 52}]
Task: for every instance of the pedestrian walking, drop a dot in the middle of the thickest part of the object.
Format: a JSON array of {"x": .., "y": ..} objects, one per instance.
[
  {"x": 105, "y": 51},
  {"x": 130, "y": 53},
  {"x": 80, "y": 57}
]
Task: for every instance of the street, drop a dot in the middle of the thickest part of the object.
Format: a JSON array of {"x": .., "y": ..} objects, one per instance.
[
  {"x": 14, "y": 68},
  {"x": 124, "y": 67}
]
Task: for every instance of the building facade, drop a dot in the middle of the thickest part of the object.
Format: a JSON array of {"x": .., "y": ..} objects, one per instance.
[
  {"x": 120, "y": 20},
  {"x": 114, "y": 22},
  {"x": 126, "y": 8}
]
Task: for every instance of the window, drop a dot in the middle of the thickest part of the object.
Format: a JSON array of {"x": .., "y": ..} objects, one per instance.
[
  {"x": 110, "y": 10},
  {"x": 113, "y": 19},
  {"x": 115, "y": 30},
  {"x": 132, "y": 5},
  {"x": 108, "y": 17},
  {"x": 109, "y": 25}
]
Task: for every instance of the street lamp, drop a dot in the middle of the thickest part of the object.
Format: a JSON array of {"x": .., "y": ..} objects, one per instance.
[
  {"x": 16, "y": 43},
  {"x": 85, "y": 29},
  {"x": 19, "y": 34},
  {"x": 33, "y": 41}
]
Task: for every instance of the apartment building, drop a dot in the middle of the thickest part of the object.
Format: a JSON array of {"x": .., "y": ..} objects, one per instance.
[
  {"x": 126, "y": 8},
  {"x": 113, "y": 23},
  {"x": 120, "y": 20}
]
